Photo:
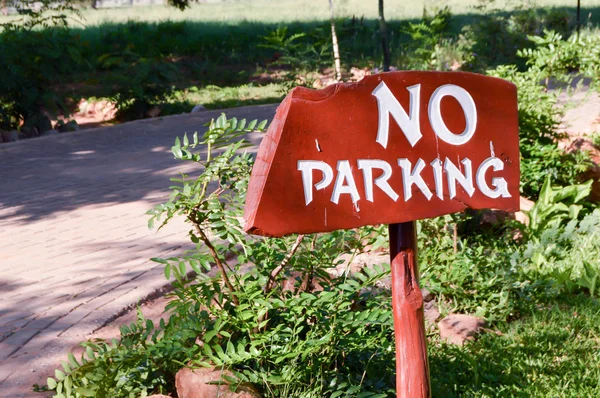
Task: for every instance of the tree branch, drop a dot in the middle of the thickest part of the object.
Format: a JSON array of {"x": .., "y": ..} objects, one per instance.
[
  {"x": 220, "y": 263},
  {"x": 281, "y": 266}
]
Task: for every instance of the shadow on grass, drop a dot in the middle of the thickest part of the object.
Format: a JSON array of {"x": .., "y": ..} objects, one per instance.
[{"x": 551, "y": 352}]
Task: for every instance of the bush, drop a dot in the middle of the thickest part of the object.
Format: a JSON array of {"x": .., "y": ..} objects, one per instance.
[
  {"x": 539, "y": 117},
  {"x": 30, "y": 57},
  {"x": 285, "y": 325},
  {"x": 563, "y": 249}
]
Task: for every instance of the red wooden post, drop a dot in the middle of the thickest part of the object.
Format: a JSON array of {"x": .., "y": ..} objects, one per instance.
[{"x": 412, "y": 367}]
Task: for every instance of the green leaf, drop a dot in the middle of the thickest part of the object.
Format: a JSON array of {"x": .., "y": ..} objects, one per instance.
[
  {"x": 73, "y": 361},
  {"x": 66, "y": 367},
  {"x": 51, "y": 383},
  {"x": 177, "y": 152},
  {"x": 208, "y": 336},
  {"x": 85, "y": 392},
  {"x": 60, "y": 376},
  {"x": 90, "y": 353},
  {"x": 68, "y": 386}
]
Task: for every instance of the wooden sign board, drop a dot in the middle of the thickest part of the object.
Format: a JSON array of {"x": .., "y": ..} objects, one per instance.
[{"x": 392, "y": 148}]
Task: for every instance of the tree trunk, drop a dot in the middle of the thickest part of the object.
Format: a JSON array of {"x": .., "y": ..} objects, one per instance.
[
  {"x": 336, "y": 48},
  {"x": 384, "y": 38},
  {"x": 578, "y": 16}
]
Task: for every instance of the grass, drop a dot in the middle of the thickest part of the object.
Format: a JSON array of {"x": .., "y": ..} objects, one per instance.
[
  {"x": 553, "y": 352},
  {"x": 214, "y": 97},
  {"x": 596, "y": 139},
  {"x": 275, "y": 11}
]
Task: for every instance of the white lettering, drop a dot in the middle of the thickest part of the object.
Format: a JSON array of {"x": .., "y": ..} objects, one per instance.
[
  {"x": 455, "y": 175},
  {"x": 388, "y": 104},
  {"x": 413, "y": 177},
  {"x": 307, "y": 167},
  {"x": 435, "y": 114},
  {"x": 498, "y": 182},
  {"x": 438, "y": 177},
  {"x": 367, "y": 166},
  {"x": 344, "y": 174}
]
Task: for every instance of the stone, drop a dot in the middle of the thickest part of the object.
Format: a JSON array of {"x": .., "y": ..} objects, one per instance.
[
  {"x": 431, "y": 311},
  {"x": 95, "y": 111},
  {"x": 427, "y": 295},
  {"x": 36, "y": 124},
  {"x": 593, "y": 172},
  {"x": 525, "y": 205},
  {"x": 295, "y": 280},
  {"x": 68, "y": 127},
  {"x": 49, "y": 132},
  {"x": 198, "y": 108},
  {"x": 358, "y": 74},
  {"x": 153, "y": 112},
  {"x": 459, "y": 328},
  {"x": 43, "y": 123},
  {"x": 493, "y": 217},
  {"x": 351, "y": 264},
  {"x": 192, "y": 383},
  {"x": 10, "y": 136},
  {"x": 585, "y": 145},
  {"x": 29, "y": 131}
]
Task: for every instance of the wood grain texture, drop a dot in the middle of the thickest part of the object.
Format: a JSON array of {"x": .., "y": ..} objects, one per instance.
[{"x": 412, "y": 367}]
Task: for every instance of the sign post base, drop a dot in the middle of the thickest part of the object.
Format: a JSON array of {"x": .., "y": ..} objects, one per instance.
[{"x": 412, "y": 366}]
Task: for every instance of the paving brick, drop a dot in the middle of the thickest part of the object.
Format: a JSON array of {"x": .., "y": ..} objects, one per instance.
[{"x": 76, "y": 248}]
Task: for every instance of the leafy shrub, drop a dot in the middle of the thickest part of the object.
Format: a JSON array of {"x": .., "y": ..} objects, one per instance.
[
  {"x": 144, "y": 359},
  {"x": 497, "y": 34},
  {"x": 138, "y": 84},
  {"x": 29, "y": 59},
  {"x": 427, "y": 46},
  {"x": 477, "y": 278},
  {"x": 539, "y": 117},
  {"x": 567, "y": 256},
  {"x": 562, "y": 249},
  {"x": 557, "y": 204},
  {"x": 285, "y": 325},
  {"x": 33, "y": 48},
  {"x": 302, "y": 52},
  {"x": 277, "y": 319}
]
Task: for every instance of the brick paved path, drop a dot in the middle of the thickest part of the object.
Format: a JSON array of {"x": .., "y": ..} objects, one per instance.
[{"x": 74, "y": 242}]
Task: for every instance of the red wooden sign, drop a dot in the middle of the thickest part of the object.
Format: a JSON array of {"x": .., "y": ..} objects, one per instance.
[{"x": 392, "y": 148}]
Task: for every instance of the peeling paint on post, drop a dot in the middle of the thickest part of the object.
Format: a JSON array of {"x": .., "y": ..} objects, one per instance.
[{"x": 390, "y": 149}]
